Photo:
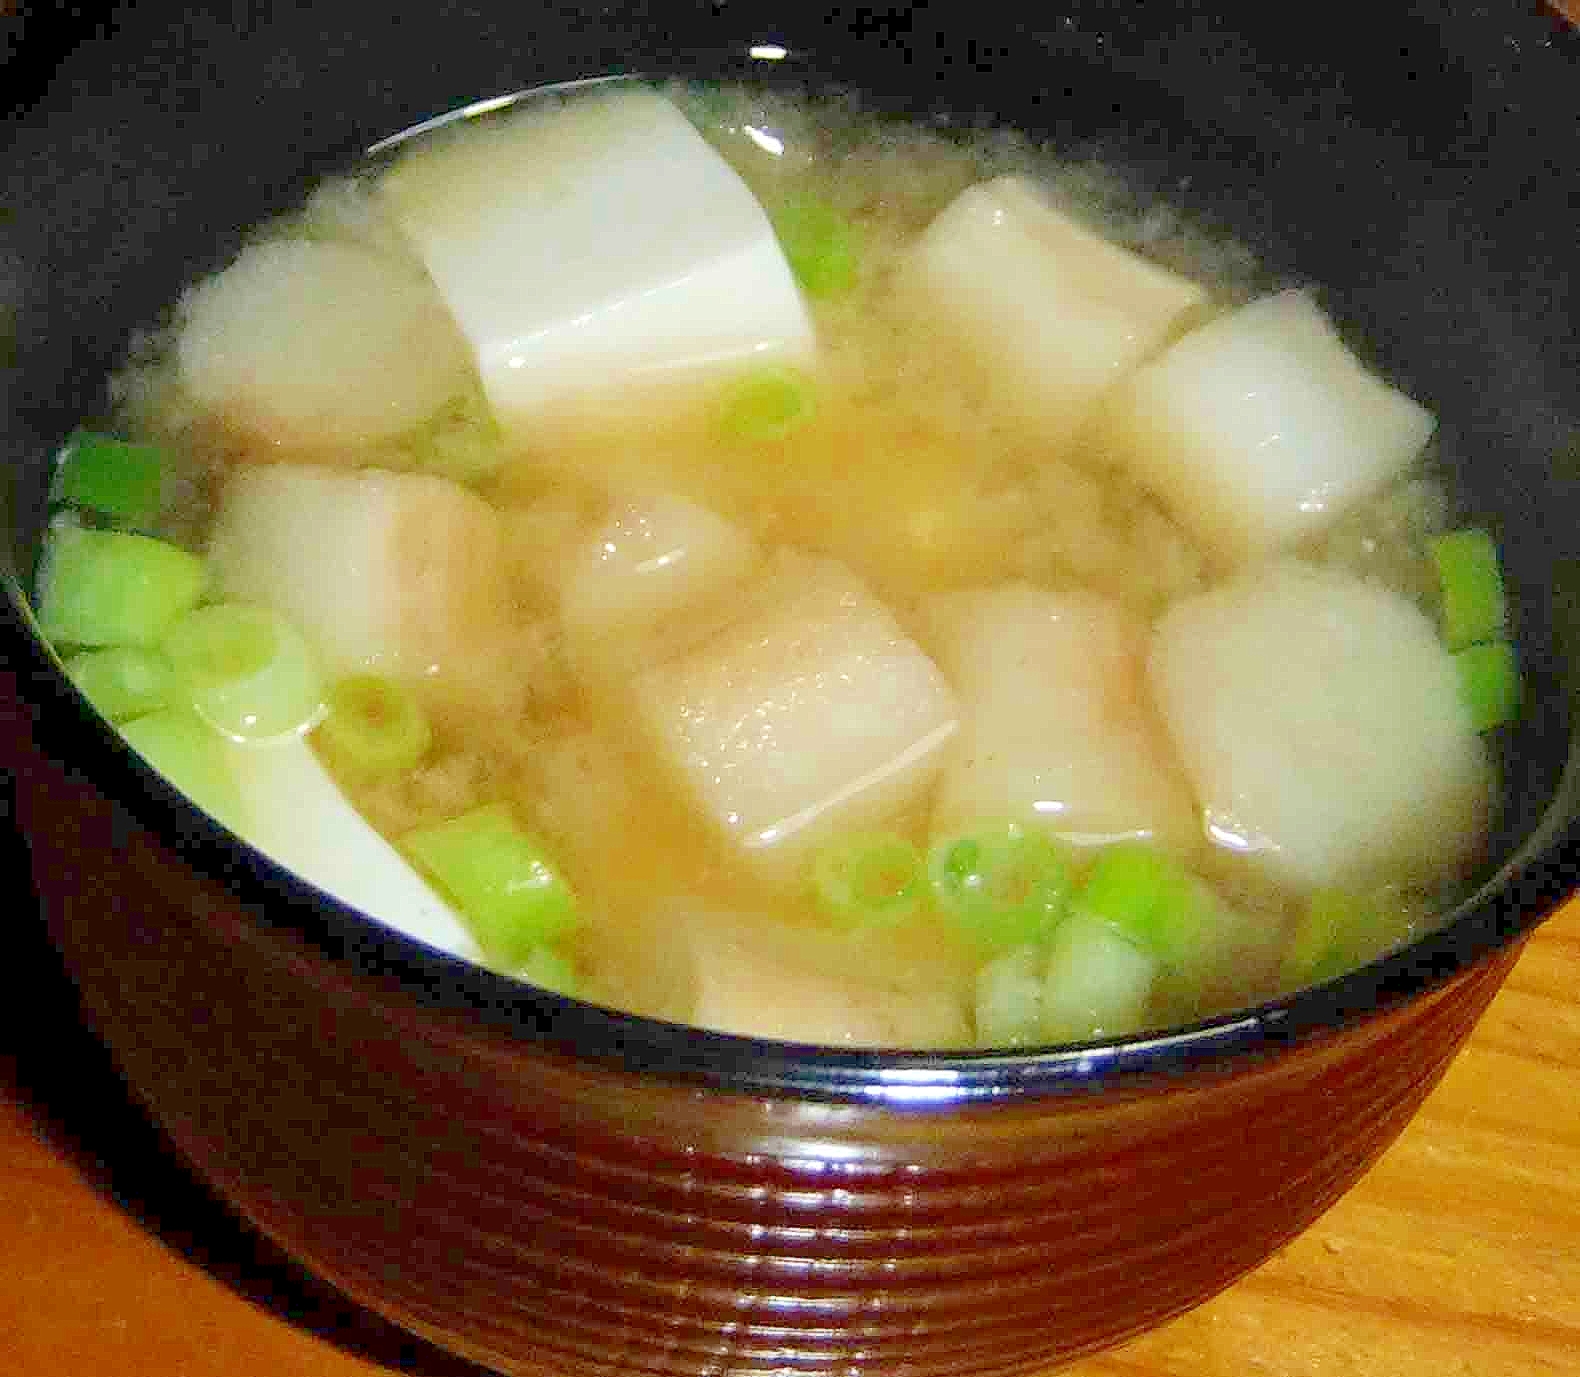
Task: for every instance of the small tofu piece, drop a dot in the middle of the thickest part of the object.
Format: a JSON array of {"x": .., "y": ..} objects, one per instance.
[
  {"x": 401, "y": 573},
  {"x": 640, "y": 585},
  {"x": 592, "y": 242},
  {"x": 1261, "y": 427},
  {"x": 739, "y": 991},
  {"x": 1056, "y": 313},
  {"x": 1057, "y": 727},
  {"x": 809, "y": 714},
  {"x": 740, "y": 973},
  {"x": 580, "y": 787},
  {"x": 296, "y": 815},
  {"x": 320, "y": 345},
  {"x": 1319, "y": 718}
]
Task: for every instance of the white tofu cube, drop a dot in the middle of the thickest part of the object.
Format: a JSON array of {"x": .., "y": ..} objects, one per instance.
[
  {"x": 319, "y": 345},
  {"x": 641, "y": 584},
  {"x": 748, "y": 974},
  {"x": 588, "y": 243},
  {"x": 401, "y": 573},
  {"x": 1260, "y": 427},
  {"x": 1055, "y": 312},
  {"x": 1057, "y": 729},
  {"x": 811, "y": 714},
  {"x": 1319, "y": 718}
]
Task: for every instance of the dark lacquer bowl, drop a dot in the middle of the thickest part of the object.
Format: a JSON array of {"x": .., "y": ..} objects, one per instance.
[{"x": 555, "y": 1189}]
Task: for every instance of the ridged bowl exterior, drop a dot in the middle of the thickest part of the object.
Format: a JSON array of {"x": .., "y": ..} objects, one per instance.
[{"x": 548, "y": 1214}]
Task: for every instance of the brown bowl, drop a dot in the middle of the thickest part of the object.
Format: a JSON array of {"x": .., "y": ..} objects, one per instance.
[
  {"x": 543, "y": 1211},
  {"x": 549, "y": 1187}
]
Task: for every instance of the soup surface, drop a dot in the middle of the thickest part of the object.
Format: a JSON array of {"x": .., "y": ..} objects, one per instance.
[{"x": 756, "y": 564}]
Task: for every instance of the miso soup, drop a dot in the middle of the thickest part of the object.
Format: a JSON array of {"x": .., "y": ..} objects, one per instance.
[{"x": 742, "y": 559}]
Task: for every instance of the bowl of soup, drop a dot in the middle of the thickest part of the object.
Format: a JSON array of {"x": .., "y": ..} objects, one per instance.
[{"x": 759, "y": 692}]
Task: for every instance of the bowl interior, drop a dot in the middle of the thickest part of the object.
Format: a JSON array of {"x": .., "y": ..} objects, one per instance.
[{"x": 1424, "y": 178}]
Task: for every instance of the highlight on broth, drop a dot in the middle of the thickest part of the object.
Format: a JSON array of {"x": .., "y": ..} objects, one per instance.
[{"x": 764, "y": 567}]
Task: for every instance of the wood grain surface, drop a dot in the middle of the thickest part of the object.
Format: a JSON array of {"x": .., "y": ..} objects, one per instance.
[{"x": 1459, "y": 1254}]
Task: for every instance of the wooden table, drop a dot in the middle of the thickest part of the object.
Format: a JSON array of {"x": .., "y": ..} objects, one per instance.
[{"x": 1458, "y": 1256}]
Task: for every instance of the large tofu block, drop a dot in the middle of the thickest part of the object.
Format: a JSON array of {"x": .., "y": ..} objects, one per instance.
[
  {"x": 1057, "y": 729},
  {"x": 1055, "y": 312},
  {"x": 1260, "y": 427},
  {"x": 592, "y": 242},
  {"x": 1319, "y": 718},
  {"x": 812, "y": 714}
]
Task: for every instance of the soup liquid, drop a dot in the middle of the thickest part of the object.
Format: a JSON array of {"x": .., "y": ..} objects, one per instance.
[{"x": 911, "y": 470}]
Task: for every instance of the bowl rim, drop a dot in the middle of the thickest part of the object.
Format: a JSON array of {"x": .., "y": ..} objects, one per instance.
[{"x": 1523, "y": 891}]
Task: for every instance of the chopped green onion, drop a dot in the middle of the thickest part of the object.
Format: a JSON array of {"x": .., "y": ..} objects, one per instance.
[
  {"x": 766, "y": 405},
  {"x": 1152, "y": 899},
  {"x": 549, "y": 970},
  {"x": 1001, "y": 884},
  {"x": 821, "y": 245},
  {"x": 99, "y": 588},
  {"x": 1341, "y": 931},
  {"x": 1489, "y": 683},
  {"x": 1009, "y": 999},
  {"x": 191, "y": 755},
  {"x": 247, "y": 671},
  {"x": 1471, "y": 584},
  {"x": 123, "y": 681},
  {"x": 1099, "y": 983},
  {"x": 374, "y": 726},
  {"x": 872, "y": 877},
  {"x": 115, "y": 478},
  {"x": 501, "y": 879},
  {"x": 1126, "y": 884}
]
